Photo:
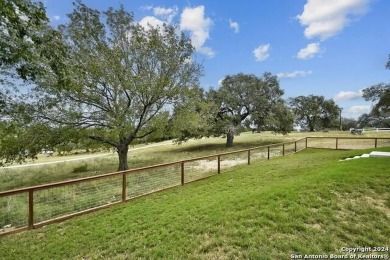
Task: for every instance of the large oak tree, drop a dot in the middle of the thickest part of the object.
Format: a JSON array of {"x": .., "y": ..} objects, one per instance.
[
  {"x": 314, "y": 111},
  {"x": 114, "y": 77},
  {"x": 246, "y": 97}
]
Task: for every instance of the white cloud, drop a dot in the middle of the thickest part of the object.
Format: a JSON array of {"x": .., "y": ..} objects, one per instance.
[
  {"x": 194, "y": 21},
  {"x": 147, "y": 7},
  {"x": 161, "y": 15},
  {"x": 208, "y": 51},
  {"x": 151, "y": 22},
  {"x": 56, "y": 18},
  {"x": 165, "y": 13},
  {"x": 326, "y": 18},
  {"x": 234, "y": 25},
  {"x": 262, "y": 52},
  {"x": 348, "y": 95},
  {"x": 309, "y": 51},
  {"x": 294, "y": 74},
  {"x": 359, "y": 109}
]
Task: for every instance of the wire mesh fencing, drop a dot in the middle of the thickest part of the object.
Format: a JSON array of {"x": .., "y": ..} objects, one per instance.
[
  {"x": 13, "y": 212},
  {"x": 289, "y": 148},
  {"x": 355, "y": 143},
  {"x": 152, "y": 179},
  {"x": 301, "y": 144},
  {"x": 383, "y": 142},
  {"x": 319, "y": 142},
  {"x": 276, "y": 151},
  {"x": 259, "y": 154},
  {"x": 233, "y": 159},
  {"x": 200, "y": 169},
  {"x": 346, "y": 142},
  {"x": 65, "y": 200},
  {"x": 36, "y": 206}
]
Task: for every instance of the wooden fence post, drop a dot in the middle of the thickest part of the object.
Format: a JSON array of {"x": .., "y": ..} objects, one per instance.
[
  {"x": 283, "y": 150},
  {"x": 376, "y": 142},
  {"x": 249, "y": 157},
  {"x": 219, "y": 164},
  {"x": 306, "y": 143},
  {"x": 124, "y": 187},
  {"x": 337, "y": 143},
  {"x": 182, "y": 173},
  {"x": 268, "y": 153},
  {"x": 31, "y": 209}
]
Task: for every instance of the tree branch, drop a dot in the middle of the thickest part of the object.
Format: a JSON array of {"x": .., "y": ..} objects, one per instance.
[
  {"x": 146, "y": 134},
  {"x": 103, "y": 140}
]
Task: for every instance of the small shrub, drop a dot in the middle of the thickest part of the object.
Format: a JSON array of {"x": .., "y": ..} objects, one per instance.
[{"x": 81, "y": 168}]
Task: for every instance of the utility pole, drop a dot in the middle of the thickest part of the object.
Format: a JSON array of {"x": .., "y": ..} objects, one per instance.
[{"x": 341, "y": 126}]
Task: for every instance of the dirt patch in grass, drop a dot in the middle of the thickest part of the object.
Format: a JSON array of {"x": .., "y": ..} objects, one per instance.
[
  {"x": 226, "y": 163},
  {"x": 209, "y": 165},
  {"x": 379, "y": 204},
  {"x": 314, "y": 226},
  {"x": 374, "y": 200}
]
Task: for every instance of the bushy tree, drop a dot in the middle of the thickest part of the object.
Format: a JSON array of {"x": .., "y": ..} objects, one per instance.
[
  {"x": 24, "y": 30},
  {"x": 114, "y": 77},
  {"x": 368, "y": 120},
  {"x": 247, "y": 98},
  {"x": 379, "y": 94},
  {"x": 314, "y": 111},
  {"x": 193, "y": 117},
  {"x": 280, "y": 119},
  {"x": 348, "y": 123}
]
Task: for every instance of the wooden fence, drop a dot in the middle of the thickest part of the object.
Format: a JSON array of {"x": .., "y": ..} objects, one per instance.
[
  {"x": 33, "y": 207},
  {"x": 346, "y": 142}
]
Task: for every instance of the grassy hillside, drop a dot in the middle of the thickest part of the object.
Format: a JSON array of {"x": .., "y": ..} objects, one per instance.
[{"x": 308, "y": 203}]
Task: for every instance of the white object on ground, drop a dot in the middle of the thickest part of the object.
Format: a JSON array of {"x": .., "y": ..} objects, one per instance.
[
  {"x": 372, "y": 154},
  {"x": 379, "y": 154}
]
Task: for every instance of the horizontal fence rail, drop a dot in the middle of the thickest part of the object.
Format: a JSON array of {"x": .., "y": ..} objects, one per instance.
[
  {"x": 36, "y": 206},
  {"x": 347, "y": 142}
]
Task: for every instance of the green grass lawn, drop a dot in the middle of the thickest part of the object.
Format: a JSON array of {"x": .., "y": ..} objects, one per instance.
[{"x": 307, "y": 203}]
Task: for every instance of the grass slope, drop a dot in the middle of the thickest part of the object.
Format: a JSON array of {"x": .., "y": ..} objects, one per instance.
[{"x": 308, "y": 203}]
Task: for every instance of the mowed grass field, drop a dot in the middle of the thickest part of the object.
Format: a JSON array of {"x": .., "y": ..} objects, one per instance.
[
  {"x": 143, "y": 155},
  {"x": 307, "y": 203}
]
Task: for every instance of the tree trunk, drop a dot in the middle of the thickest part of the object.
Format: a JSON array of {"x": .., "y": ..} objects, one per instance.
[
  {"x": 229, "y": 138},
  {"x": 122, "y": 150},
  {"x": 311, "y": 122}
]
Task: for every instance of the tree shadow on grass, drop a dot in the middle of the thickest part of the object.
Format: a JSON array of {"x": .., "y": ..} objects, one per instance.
[
  {"x": 210, "y": 149},
  {"x": 199, "y": 148}
]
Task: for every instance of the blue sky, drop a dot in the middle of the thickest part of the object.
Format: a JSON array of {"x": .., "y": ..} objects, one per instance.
[{"x": 333, "y": 48}]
